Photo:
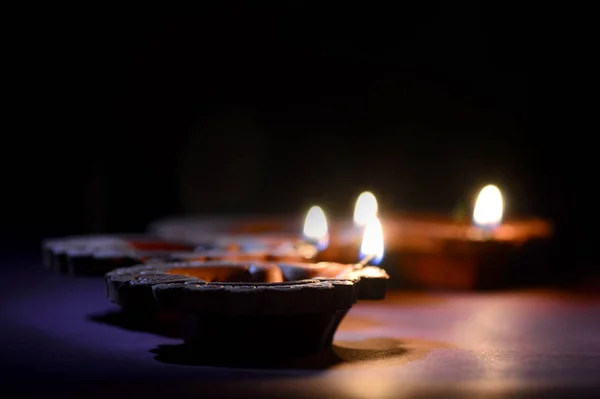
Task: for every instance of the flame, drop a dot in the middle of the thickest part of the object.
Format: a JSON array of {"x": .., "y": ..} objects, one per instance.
[
  {"x": 365, "y": 208},
  {"x": 315, "y": 227},
  {"x": 488, "y": 208},
  {"x": 372, "y": 243}
]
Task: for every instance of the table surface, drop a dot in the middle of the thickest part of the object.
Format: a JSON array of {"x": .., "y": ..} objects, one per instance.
[{"x": 59, "y": 336}]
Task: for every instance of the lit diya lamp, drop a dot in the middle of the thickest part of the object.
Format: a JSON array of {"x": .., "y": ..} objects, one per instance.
[
  {"x": 373, "y": 279},
  {"x": 432, "y": 251},
  {"x": 287, "y": 236},
  {"x": 252, "y": 308},
  {"x": 279, "y": 245},
  {"x": 442, "y": 253},
  {"x": 315, "y": 239}
]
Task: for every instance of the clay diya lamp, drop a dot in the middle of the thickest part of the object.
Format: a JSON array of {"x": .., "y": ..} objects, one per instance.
[
  {"x": 245, "y": 308},
  {"x": 488, "y": 253}
]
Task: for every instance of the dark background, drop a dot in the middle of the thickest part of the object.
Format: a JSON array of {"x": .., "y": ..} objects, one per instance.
[{"x": 248, "y": 110}]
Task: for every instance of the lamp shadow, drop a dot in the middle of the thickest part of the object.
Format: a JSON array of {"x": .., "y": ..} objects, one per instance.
[
  {"x": 340, "y": 353},
  {"x": 138, "y": 322},
  {"x": 154, "y": 324},
  {"x": 337, "y": 354}
]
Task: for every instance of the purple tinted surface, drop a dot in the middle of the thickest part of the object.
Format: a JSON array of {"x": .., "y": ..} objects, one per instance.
[{"x": 410, "y": 345}]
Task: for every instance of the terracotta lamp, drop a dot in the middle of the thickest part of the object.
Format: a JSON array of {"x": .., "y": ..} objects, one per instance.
[
  {"x": 249, "y": 308},
  {"x": 432, "y": 251}
]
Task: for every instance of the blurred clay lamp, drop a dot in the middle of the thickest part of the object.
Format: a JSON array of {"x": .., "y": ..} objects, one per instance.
[
  {"x": 441, "y": 253},
  {"x": 315, "y": 238}
]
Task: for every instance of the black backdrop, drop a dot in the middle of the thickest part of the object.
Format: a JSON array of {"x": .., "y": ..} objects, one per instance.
[{"x": 238, "y": 109}]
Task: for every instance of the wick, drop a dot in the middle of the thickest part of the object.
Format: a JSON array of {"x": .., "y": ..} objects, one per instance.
[{"x": 364, "y": 261}]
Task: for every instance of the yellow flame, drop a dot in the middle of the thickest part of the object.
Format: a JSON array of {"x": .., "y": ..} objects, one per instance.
[
  {"x": 372, "y": 243},
  {"x": 488, "y": 208},
  {"x": 365, "y": 208},
  {"x": 315, "y": 227}
]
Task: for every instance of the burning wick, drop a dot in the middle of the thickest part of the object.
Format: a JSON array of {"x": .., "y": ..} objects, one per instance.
[
  {"x": 316, "y": 234},
  {"x": 363, "y": 262},
  {"x": 487, "y": 214},
  {"x": 365, "y": 211},
  {"x": 371, "y": 249}
]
